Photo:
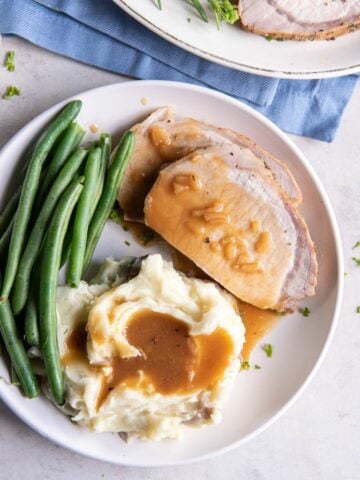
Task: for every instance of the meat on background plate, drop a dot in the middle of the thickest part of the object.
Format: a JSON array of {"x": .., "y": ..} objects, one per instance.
[{"x": 300, "y": 19}]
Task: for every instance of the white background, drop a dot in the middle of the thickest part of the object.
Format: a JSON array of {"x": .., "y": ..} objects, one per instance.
[{"x": 319, "y": 437}]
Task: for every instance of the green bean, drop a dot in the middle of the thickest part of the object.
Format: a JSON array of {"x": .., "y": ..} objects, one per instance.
[
  {"x": 13, "y": 376},
  {"x": 112, "y": 183},
  {"x": 65, "y": 254},
  {"x": 50, "y": 263},
  {"x": 11, "y": 205},
  {"x": 8, "y": 212},
  {"x": 82, "y": 218},
  {"x": 69, "y": 142},
  {"x": 31, "y": 322},
  {"x": 5, "y": 242},
  {"x": 105, "y": 145},
  {"x": 16, "y": 351},
  {"x": 20, "y": 289},
  {"x": 29, "y": 189}
]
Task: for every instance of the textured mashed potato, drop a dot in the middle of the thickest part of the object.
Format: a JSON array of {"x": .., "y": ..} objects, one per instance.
[{"x": 142, "y": 412}]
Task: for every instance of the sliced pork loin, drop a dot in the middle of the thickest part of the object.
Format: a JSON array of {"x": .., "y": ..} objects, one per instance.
[
  {"x": 300, "y": 19},
  {"x": 221, "y": 207},
  {"x": 161, "y": 139}
]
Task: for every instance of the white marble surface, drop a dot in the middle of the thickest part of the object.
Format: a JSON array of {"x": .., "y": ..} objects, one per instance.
[{"x": 319, "y": 437}]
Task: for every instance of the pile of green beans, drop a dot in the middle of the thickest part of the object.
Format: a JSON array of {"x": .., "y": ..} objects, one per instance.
[{"x": 57, "y": 213}]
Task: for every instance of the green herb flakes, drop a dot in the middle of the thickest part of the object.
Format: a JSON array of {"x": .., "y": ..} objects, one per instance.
[
  {"x": 257, "y": 367},
  {"x": 357, "y": 244},
  {"x": 269, "y": 38},
  {"x": 11, "y": 91},
  {"x": 9, "y": 61},
  {"x": 115, "y": 216},
  {"x": 147, "y": 236},
  {"x": 268, "y": 349},
  {"x": 127, "y": 243},
  {"x": 305, "y": 311},
  {"x": 358, "y": 309},
  {"x": 356, "y": 260},
  {"x": 245, "y": 365}
]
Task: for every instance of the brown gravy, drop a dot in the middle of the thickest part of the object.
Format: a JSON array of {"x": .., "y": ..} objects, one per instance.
[
  {"x": 257, "y": 324},
  {"x": 172, "y": 361},
  {"x": 75, "y": 346}
]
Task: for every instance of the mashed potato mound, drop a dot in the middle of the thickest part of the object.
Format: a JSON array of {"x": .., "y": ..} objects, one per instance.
[{"x": 104, "y": 311}]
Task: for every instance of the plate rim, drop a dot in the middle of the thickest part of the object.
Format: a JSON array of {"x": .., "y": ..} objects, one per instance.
[
  {"x": 339, "y": 284},
  {"x": 266, "y": 72}
]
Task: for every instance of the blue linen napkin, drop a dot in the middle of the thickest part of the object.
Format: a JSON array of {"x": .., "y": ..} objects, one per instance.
[{"x": 101, "y": 34}]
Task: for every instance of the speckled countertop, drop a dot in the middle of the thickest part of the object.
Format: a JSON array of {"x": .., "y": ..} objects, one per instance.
[{"x": 319, "y": 437}]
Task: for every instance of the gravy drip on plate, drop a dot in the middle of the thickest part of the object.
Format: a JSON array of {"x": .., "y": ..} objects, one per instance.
[
  {"x": 257, "y": 324},
  {"x": 171, "y": 361}
]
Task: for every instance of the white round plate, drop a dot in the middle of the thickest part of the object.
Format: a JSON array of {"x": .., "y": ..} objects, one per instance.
[
  {"x": 259, "y": 396},
  {"x": 235, "y": 48}
]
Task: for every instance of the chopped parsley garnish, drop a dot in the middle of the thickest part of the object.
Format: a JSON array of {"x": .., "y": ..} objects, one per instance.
[
  {"x": 357, "y": 244},
  {"x": 269, "y": 38},
  {"x": 127, "y": 243},
  {"x": 11, "y": 91},
  {"x": 147, "y": 236},
  {"x": 9, "y": 61},
  {"x": 257, "y": 367},
  {"x": 245, "y": 365},
  {"x": 268, "y": 349},
  {"x": 115, "y": 216},
  {"x": 356, "y": 260},
  {"x": 305, "y": 311},
  {"x": 358, "y": 309},
  {"x": 158, "y": 4}
]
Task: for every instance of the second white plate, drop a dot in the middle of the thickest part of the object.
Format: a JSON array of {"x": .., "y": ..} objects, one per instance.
[{"x": 235, "y": 48}]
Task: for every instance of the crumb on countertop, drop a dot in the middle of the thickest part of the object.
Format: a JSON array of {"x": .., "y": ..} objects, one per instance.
[{"x": 94, "y": 128}]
